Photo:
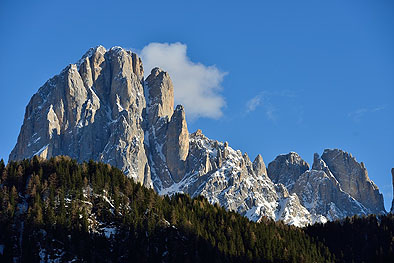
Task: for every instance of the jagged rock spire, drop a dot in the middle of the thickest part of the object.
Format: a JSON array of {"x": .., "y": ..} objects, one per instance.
[
  {"x": 318, "y": 163},
  {"x": 160, "y": 95},
  {"x": 177, "y": 144},
  {"x": 259, "y": 166}
]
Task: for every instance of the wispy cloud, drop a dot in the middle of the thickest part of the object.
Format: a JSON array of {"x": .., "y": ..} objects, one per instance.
[
  {"x": 196, "y": 86},
  {"x": 358, "y": 114},
  {"x": 253, "y": 103},
  {"x": 270, "y": 113},
  {"x": 263, "y": 100}
]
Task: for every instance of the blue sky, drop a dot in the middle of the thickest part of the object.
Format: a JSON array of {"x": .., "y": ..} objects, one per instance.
[{"x": 290, "y": 75}]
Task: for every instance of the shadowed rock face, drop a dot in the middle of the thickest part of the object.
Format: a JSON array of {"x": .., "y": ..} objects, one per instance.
[
  {"x": 177, "y": 144},
  {"x": 330, "y": 190},
  {"x": 102, "y": 108},
  {"x": 321, "y": 193},
  {"x": 353, "y": 177},
  {"x": 286, "y": 169}
]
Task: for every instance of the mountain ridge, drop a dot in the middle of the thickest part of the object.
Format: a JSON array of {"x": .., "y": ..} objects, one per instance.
[{"x": 103, "y": 108}]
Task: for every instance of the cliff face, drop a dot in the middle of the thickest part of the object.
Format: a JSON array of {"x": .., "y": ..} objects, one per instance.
[
  {"x": 353, "y": 178},
  {"x": 287, "y": 168},
  {"x": 102, "y": 108},
  {"x": 337, "y": 185},
  {"x": 91, "y": 110}
]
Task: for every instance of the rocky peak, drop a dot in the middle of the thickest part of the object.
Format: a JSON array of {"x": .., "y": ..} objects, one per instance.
[
  {"x": 198, "y": 132},
  {"x": 160, "y": 95},
  {"x": 354, "y": 179},
  {"x": 321, "y": 194},
  {"x": 318, "y": 189},
  {"x": 91, "y": 110},
  {"x": 286, "y": 169},
  {"x": 95, "y": 70},
  {"x": 124, "y": 81},
  {"x": 318, "y": 163},
  {"x": 177, "y": 145},
  {"x": 259, "y": 166}
]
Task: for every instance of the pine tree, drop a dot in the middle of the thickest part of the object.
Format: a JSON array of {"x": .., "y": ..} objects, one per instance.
[{"x": 37, "y": 211}]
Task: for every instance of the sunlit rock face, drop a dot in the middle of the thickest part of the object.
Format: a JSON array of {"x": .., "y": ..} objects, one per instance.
[{"x": 91, "y": 110}]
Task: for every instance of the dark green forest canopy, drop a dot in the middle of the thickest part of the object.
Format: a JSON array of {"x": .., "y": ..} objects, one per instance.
[
  {"x": 358, "y": 239},
  {"x": 58, "y": 208}
]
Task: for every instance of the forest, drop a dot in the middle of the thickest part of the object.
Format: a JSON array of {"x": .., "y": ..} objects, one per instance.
[{"x": 60, "y": 209}]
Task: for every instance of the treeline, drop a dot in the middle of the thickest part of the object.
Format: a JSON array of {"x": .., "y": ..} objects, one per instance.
[
  {"x": 358, "y": 239},
  {"x": 59, "y": 209}
]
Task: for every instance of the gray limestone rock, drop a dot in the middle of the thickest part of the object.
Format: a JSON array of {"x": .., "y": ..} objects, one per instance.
[
  {"x": 353, "y": 177},
  {"x": 319, "y": 189},
  {"x": 228, "y": 177},
  {"x": 321, "y": 193},
  {"x": 259, "y": 166},
  {"x": 160, "y": 94},
  {"x": 286, "y": 169},
  {"x": 177, "y": 144},
  {"x": 167, "y": 137},
  {"x": 91, "y": 110}
]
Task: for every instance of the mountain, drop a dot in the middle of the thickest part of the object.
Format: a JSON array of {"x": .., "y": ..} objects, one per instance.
[
  {"x": 91, "y": 110},
  {"x": 103, "y": 108},
  {"x": 336, "y": 186}
]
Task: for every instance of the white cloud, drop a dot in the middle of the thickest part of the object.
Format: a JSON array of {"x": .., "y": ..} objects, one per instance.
[{"x": 196, "y": 86}]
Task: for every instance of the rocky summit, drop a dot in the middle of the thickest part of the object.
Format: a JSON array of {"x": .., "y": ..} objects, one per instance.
[
  {"x": 92, "y": 110},
  {"x": 103, "y": 108}
]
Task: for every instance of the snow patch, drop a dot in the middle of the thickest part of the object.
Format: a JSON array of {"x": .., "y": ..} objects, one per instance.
[{"x": 41, "y": 150}]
